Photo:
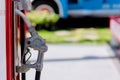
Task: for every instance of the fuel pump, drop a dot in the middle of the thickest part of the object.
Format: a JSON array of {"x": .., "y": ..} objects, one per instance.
[{"x": 35, "y": 42}]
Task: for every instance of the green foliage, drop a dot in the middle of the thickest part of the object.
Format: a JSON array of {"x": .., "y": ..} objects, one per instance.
[
  {"x": 42, "y": 18},
  {"x": 80, "y": 35}
]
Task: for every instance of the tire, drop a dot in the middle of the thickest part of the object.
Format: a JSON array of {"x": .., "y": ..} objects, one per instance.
[{"x": 51, "y": 6}]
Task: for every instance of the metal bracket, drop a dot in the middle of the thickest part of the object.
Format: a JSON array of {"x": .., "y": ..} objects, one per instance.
[{"x": 24, "y": 4}]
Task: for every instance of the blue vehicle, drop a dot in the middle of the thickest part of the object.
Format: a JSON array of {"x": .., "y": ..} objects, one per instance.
[{"x": 65, "y": 8}]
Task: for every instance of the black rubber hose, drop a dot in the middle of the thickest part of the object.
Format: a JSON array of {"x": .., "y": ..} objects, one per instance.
[
  {"x": 22, "y": 39},
  {"x": 37, "y": 75}
]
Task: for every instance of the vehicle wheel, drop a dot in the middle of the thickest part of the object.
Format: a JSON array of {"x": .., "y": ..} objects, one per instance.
[
  {"x": 49, "y": 6},
  {"x": 45, "y": 5},
  {"x": 114, "y": 43}
]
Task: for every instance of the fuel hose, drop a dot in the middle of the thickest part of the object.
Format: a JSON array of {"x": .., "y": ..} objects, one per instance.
[{"x": 37, "y": 75}]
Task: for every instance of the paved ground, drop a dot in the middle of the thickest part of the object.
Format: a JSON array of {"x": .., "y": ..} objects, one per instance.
[{"x": 79, "y": 62}]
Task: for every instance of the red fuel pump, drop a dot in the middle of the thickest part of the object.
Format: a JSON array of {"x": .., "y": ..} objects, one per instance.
[{"x": 14, "y": 43}]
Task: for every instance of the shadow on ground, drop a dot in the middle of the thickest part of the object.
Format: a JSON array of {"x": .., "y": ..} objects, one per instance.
[
  {"x": 85, "y": 22},
  {"x": 80, "y": 59}
]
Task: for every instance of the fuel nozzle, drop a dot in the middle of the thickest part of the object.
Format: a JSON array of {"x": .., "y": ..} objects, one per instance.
[{"x": 35, "y": 42}]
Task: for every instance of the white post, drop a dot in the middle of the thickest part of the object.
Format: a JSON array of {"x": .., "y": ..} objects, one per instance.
[{"x": 2, "y": 41}]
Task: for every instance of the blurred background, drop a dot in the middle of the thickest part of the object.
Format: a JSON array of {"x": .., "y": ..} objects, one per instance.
[
  {"x": 78, "y": 30},
  {"x": 82, "y": 37}
]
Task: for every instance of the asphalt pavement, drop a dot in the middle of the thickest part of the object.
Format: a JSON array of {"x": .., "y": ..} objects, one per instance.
[{"x": 78, "y": 62}]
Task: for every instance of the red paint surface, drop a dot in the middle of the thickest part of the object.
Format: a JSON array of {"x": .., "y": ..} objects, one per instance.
[
  {"x": 117, "y": 22},
  {"x": 117, "y": 19},
  {"x": 18, "y": 77},
  {"x": 9, "y": 52},
  {"x": 26, "y": 27}
]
